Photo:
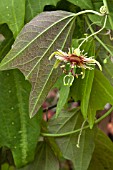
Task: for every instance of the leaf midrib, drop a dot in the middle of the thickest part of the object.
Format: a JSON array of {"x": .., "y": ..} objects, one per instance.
[
  {"x": 51, "y": 70},
  {"x": 48, "y": 48}
]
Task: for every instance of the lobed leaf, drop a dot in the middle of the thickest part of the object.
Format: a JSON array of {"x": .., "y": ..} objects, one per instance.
[
  {"x": 46, "y": 33},
  {"x": 69, "y": 121},
  {"x": 17, "y": 131}
]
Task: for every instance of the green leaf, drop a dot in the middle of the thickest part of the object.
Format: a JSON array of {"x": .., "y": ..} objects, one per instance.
[
  {"x": 82, "y": 4},
  {"x": 81, "y": 88},
  {"x": 12, "y": 12},
  {"x": 35, "y": 7},
  {"x": 102, "y": 158},
  {"x": 17, "y": 131},
  {"x": 59, "y": 82},
  {"x": 108, "y": 70},
  {"x": 46, "y": 33},
  {"x": 63, "y": 96},
  {"x": 6, "y": 166},
  {"x": 69, "y": 121},
  {"x": 107, "y": 67},
  {"x": 101, "y": 93},
  {"x": 45, "y": 159}
]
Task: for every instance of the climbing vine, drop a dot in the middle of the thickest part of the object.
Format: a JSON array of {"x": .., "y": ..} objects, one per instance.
[{"x": 64, "y": 47}]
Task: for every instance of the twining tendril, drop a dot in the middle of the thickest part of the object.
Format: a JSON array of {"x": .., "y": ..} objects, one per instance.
[
  {"x": 95, "y": 33},
  {"x": 109, "y": 33},
  {"x": 80, "y": 133},
  {"x": 103, "y": 10}
]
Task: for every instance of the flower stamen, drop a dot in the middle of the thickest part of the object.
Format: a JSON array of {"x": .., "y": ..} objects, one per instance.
[{"x": 73, "y": 59}]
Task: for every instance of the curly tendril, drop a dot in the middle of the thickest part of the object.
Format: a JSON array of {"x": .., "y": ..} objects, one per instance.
[{"x": 103, "y": 10}]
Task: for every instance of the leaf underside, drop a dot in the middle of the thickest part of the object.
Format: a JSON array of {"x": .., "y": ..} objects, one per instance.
[{"x": 45, "y": 34}]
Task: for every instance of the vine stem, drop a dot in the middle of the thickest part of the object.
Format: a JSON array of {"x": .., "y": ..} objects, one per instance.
[
  {"x": 94, "y": 33},
  {"x": 78, "y": 130},
  {"x": 109, "y": 111},
  {"x": 88, "y": 11},
  {"x": 98, "y": 39},
  {"x": 109, "y": 17}
]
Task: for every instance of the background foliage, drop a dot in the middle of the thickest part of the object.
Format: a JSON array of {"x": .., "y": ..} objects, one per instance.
[{"x": 29, "y": 32}]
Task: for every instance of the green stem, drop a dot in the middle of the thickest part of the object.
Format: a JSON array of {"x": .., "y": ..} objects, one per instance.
[
  {"x": 104, "y": 116},
  {"x": 105, "y": 4},
  {"x": 109, "y": 17},
  {"x": 78, "y": 130},
  {"x": 88, "y": 11},
  {"x": 97, "y": 38},
  {"x": 94, "y": 33}
]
